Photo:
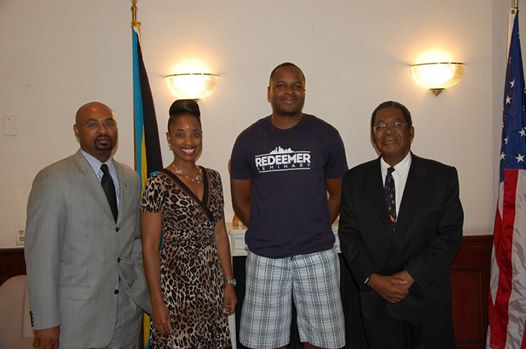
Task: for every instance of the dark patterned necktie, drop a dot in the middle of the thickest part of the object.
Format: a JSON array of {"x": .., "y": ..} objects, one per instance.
[
  {"x": 390, "y": 195},
  {"x": 109, "y": 190}
]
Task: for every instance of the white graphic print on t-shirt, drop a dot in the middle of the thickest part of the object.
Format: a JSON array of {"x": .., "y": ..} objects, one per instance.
[{"x": 280, "y": 159}]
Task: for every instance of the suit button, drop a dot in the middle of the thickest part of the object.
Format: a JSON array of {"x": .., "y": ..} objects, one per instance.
[
  {"x": 117, "y": 229},
  {"x": 116, "y": 291},
  {"x": 119, "y": 260}
]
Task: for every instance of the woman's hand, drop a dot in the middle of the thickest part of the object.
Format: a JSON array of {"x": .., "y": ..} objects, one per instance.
[
  {"x": 229, "y": 300},
  {"x": 161, "y": 319}
]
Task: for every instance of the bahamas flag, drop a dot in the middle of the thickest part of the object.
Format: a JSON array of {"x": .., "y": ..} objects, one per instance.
[{"x": 147, "y": 149}]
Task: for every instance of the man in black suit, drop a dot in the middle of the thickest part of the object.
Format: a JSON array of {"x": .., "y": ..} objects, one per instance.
[{"x": 400, "y": 227}]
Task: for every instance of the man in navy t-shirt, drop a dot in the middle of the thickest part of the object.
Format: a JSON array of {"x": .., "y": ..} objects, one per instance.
[{"x": 286, "y": 172}]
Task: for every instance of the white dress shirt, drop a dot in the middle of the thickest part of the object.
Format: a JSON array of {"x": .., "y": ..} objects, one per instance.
[
  {"x": 95, "y": 165},
  {"x": 400, "y": 177}
]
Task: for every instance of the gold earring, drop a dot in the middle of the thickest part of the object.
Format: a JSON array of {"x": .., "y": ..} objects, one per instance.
[{"x": 170, "y": 146}]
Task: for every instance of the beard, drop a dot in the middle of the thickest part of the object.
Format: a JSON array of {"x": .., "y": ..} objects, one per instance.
[
  {"x": 288, "y": 113},
  {"x": 103, "y": 143},
  {"x": 293, "y": 110}
]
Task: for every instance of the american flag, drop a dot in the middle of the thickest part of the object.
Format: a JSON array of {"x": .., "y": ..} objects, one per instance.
[{"x": 507, "y": 308}]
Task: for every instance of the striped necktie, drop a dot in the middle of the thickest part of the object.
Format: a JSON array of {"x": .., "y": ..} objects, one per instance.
[{"x": 390, "y": 195}]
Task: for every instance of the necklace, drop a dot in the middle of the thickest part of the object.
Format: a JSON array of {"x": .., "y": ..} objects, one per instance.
[{"x": 193, "y": 179}]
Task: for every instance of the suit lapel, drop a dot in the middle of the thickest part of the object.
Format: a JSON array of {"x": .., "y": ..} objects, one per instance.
[
  {"x": 92, "y": 183},
  {"x": 414, "y": 187},
  {"x": 124, "y": 193}
]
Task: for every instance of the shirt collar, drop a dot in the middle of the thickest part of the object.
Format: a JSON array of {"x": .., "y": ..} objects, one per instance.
[
  {"x": 401, "y": 166},
  {"x": 95, "y": 163}
]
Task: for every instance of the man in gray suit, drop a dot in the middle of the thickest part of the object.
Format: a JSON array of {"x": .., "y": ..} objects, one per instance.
[{"x": 83, "y": 252}]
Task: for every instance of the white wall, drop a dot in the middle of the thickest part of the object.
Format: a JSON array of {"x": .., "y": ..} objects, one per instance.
[{"x": 58, "y": 54}]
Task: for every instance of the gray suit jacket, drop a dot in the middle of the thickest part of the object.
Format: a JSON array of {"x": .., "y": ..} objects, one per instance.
[{"x": 76, "y": 253}]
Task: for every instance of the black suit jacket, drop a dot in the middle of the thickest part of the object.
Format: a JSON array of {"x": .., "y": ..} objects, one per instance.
[{"x": 426, "y": 238}]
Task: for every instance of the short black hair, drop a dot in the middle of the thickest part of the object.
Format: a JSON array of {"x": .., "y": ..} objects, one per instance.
[
  {"x": 183, "y": 106},
  {"x": 392, "y": 104},
  {"x": 286, "y": 64}
]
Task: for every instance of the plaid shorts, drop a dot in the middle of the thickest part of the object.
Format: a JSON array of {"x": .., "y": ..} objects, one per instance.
[{"x": 271, "y": 283}]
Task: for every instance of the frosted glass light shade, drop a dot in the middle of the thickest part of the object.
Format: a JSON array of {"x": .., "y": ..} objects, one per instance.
[
  {"x": 191, "y": 85},
  {"x": 437, "y": 76}
]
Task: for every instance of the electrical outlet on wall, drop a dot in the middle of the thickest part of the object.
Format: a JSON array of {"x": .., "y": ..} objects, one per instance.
[{"x": 20, "y": 236}]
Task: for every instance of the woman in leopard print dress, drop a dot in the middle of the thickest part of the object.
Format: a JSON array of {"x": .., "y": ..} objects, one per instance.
[{"x": 185, "y": 245}]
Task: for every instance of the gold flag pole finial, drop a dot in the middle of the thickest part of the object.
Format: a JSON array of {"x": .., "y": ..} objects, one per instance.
[{"x": 134, "y": 23}]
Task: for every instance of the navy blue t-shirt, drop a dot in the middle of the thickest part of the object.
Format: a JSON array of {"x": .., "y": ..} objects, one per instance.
[{"x": 289, "y": 171}]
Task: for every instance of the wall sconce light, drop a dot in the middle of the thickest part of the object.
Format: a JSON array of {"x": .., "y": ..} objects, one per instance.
[
  {"x": 191, "y": 85},
  {"x": 437, "y": 76}
]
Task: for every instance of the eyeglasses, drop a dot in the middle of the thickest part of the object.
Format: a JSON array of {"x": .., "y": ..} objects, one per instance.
[
  {"x": 94, "y": 124},
  {"x": 382, "y": 126}
]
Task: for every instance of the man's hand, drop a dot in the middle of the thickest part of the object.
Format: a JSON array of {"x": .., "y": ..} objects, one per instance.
[
  {"x": 393, "y": 288},
  {"x": 46, "y": 338},
  {"x": 404, "y": 275}
]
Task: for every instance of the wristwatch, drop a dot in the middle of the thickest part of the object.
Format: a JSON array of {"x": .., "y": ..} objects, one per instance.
[{"x": 232, "y": 282}]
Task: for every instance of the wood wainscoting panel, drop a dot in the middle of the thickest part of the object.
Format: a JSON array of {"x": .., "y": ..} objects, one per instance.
[
  {"x": 470, "y": 275},
  {"x": 12, "y": 263}
]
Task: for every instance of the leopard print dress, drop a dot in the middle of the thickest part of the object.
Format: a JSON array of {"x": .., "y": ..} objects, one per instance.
[{"x": 192, "y": 280}]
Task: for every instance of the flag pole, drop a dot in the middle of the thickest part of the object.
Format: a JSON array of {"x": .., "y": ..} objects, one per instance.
[
  {"x": 513, "y": 11},
  {"x": 133, "y": 25},
  {"x": 134, "y": 22},
  {"x": 136, "y": 25}
]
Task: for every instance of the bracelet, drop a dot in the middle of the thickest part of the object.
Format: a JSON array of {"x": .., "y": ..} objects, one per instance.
[{"x": 232, "y": 282}]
